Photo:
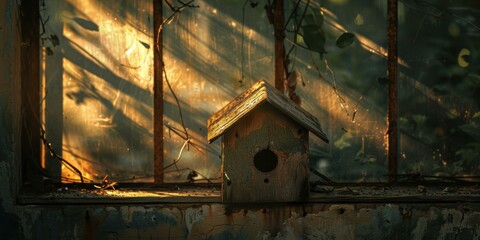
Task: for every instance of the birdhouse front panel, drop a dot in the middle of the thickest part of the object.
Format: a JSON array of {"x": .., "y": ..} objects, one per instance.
[
  {"x": 265, "y": 158},
  {"x": 264, "y": 146}
]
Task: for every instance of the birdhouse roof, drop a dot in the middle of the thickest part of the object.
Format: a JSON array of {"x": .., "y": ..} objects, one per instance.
[{"x": 259, "y": 93}]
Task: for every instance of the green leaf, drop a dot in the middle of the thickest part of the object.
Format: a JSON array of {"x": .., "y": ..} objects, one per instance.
[
  {"x": 314, "y": 18},
  {"x": 314, "y": 37},
  {"x": 54, "y": 39},
  {"x": 49, "y": 51},
  {"x": 313, "y": 34},
  {"x": 144, "y": 44},
  {"x": 344, "y": 141},
  {"x": 309, "y": 19},
  {"x": 345, "y": 40},
  {"x": 300, "y": 39}
]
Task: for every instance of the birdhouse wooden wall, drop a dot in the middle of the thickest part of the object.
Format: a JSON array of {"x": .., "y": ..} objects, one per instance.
[
  {"x": 264, "y": 146},
  {"x": 265, "y": 158}
]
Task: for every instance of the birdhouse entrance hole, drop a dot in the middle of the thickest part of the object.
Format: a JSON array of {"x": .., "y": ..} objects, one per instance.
[{"x": 265, "y": 160}]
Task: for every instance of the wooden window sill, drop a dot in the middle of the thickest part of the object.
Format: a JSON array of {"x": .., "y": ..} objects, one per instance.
[{"x": 196, "y": 195}]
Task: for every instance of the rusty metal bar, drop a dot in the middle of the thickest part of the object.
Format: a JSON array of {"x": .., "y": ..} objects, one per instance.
[
  {"x": 30, "y": 93},
  {"x": 392, "y": 115},
  {"x": 158, "y": 93},
  {"x": 278, "y": 24}
]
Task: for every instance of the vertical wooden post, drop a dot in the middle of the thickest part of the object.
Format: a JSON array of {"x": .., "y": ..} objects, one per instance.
[
  {"x": 278, "y": 22},
  {"x": 30, "y": 99},
  {"x": 392, "y": 91},
  {"x": 158, "y": 93}
]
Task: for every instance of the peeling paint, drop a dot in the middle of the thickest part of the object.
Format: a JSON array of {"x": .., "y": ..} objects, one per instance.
[
  {"x": 218, "y": 221},
  {"x": 453, "y": 220},
  {"x": 192, "y": 216},
  {"x": 419, "y": 231}
]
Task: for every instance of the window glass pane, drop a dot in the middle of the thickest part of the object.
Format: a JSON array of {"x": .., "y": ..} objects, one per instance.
[
  {"x": 348, "y": 98},
  {"x": 206, "y": 56},
  {"x": 203, "y": 50},
  {"x": 439, "y": 87},
  {"x": 97, "y": 87},
  {"x": 98, "y": 83}
]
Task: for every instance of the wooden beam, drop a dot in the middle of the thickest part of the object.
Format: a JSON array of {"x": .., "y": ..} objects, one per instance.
[
  {"x": 392, "y": 91},
  {"x": 30, "y": 91},
  {"x": 278, "y": 23},
  {"x": 158, "y": 93}
]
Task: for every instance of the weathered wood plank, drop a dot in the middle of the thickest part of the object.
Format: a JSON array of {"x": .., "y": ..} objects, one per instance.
[
  {"x": 236, "y": 109},
  {"x": 295, "y": 112},
  {"x": 261, "y": 91},
  {"x": 158, "y": 94},
  {"x": 392, "y": 118},
  {"x": 210, "y": 195},
  {"x": 123, "y": 197},
  {"x": 265, "y": 128},
  {"x": 30, "y": 84}
]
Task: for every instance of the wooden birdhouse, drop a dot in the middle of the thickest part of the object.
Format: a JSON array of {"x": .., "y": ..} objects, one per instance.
[{"x": 264, "y": 146}]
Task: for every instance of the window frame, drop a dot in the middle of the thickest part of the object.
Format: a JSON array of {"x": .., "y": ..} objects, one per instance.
[{"x": 31, "y": 144}]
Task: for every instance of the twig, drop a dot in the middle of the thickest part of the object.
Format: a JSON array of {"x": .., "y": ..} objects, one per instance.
[
  {"x": 335, "y": 89},
  {"x": 292, "y": 13},
  {"x": 297, "y": 45},
  {"x": 195, "y": 145},
  {"x": 360, "y": 99},
  {"x": 297, "y": 29},
  {"x": 178, "y": 157},
  {"x": 56, "y": 156},
  {"x": 194, "y": 174},
  {"x": 176, "y": 131},
  {"x": 176, "y": 101},
  {"x": 42, "y": 24},
  {"x": 175, "y": 11},
  {"x": 105, "y": 184},
  {"x": 242, "y": 80},
  {"x": 304, "y": 12}
]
